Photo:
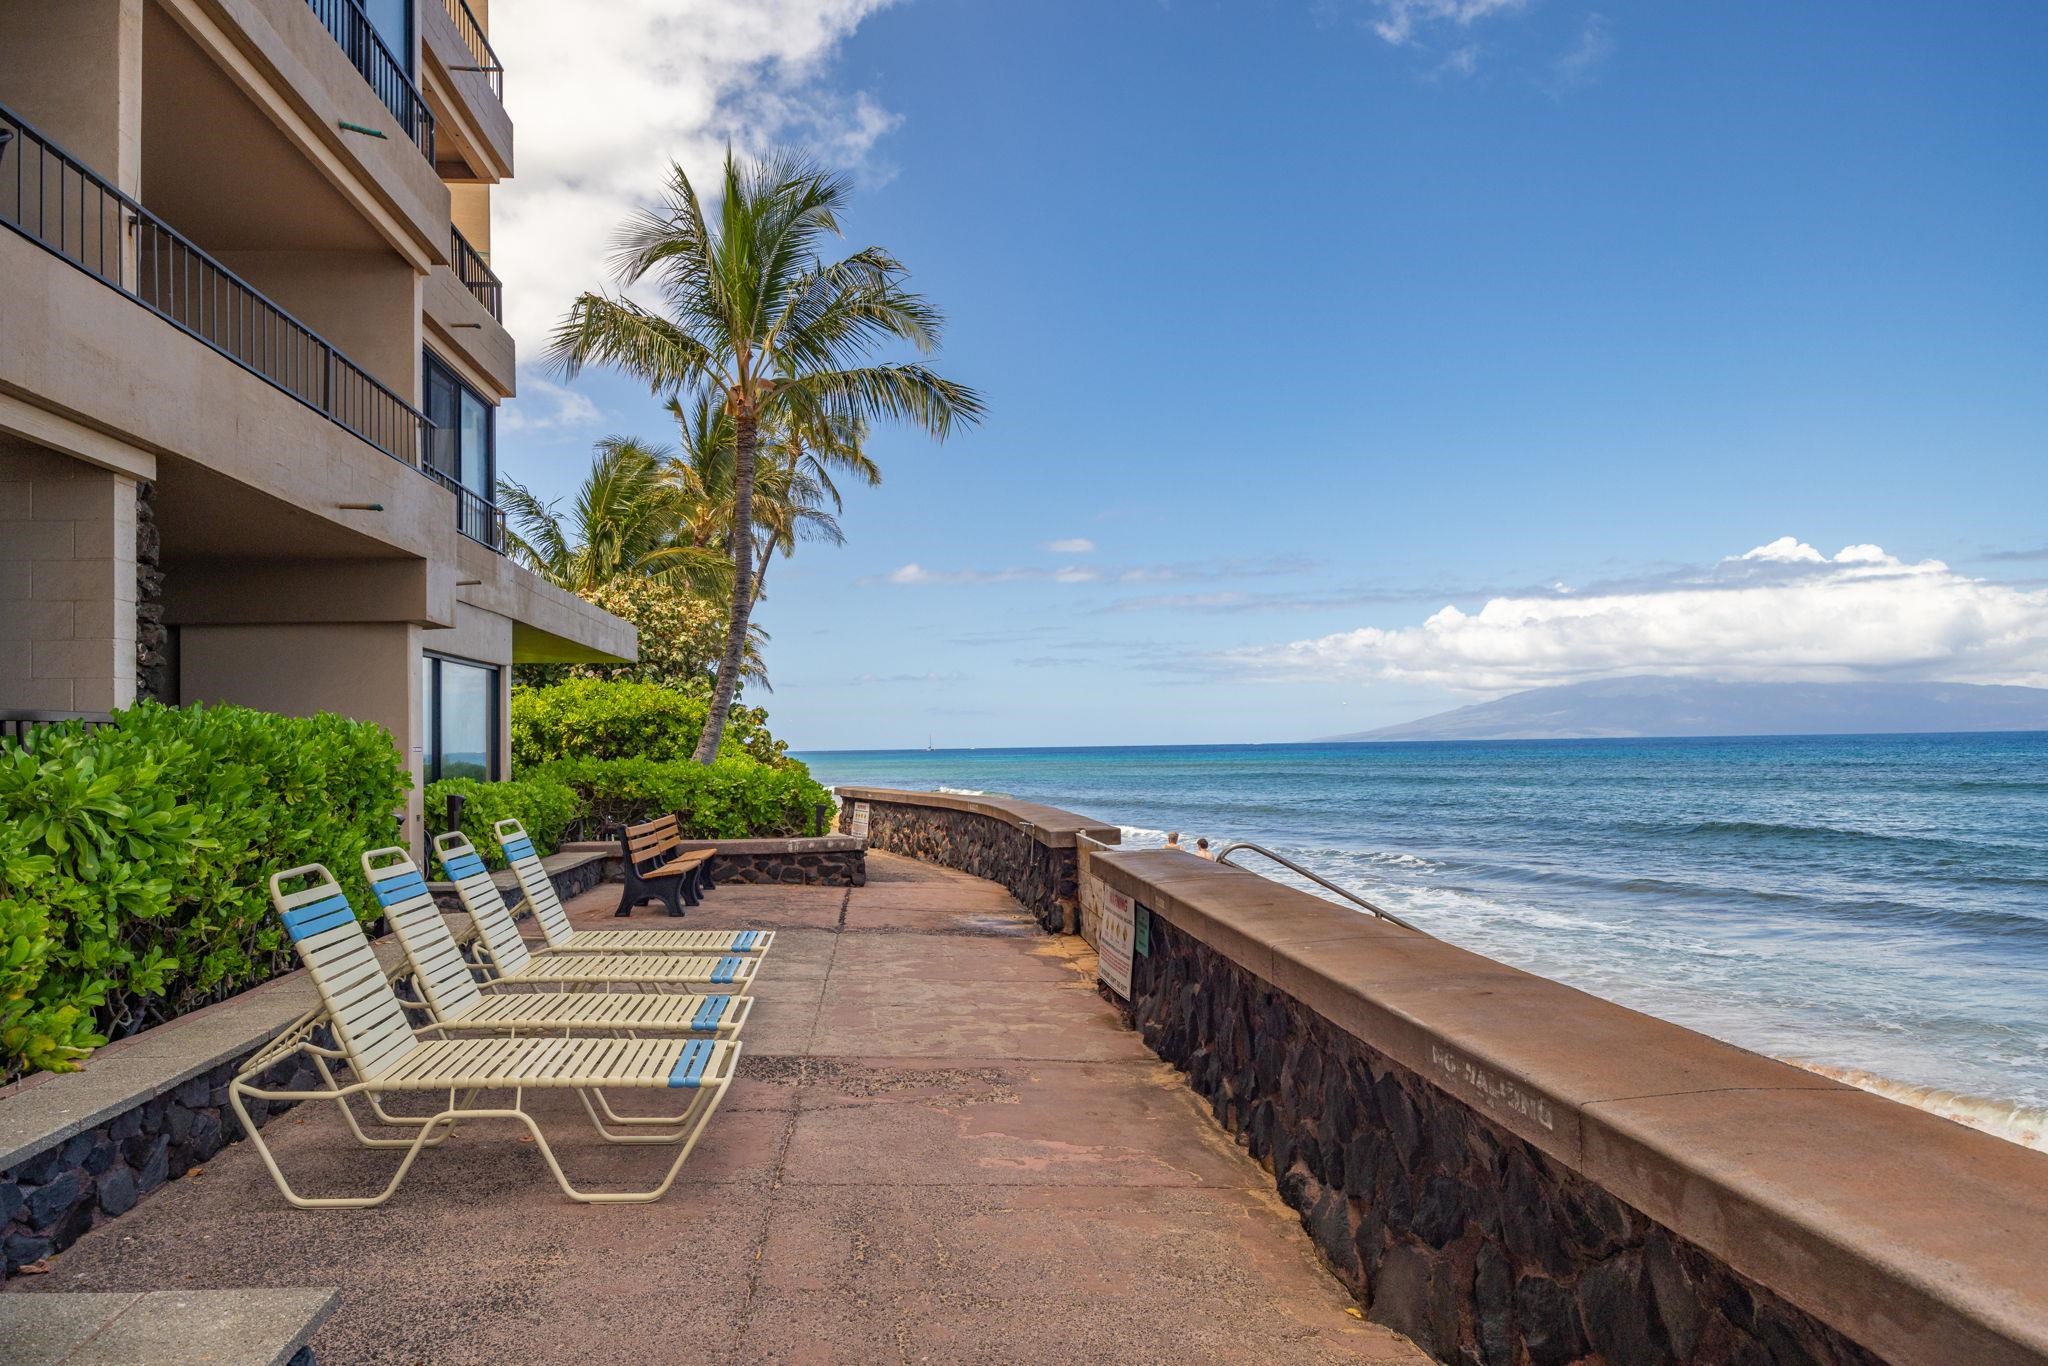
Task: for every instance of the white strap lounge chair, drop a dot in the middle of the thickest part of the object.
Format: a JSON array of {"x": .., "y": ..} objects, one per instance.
[
  {"x": 516, "y": 964},
  {"x": 387, "y": 1057},
  {"x": 447, "y": 981},
  {"x": 539, "y": 889}
]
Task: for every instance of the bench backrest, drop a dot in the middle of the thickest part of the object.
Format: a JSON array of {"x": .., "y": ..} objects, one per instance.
[
  {"x": 534, "y": 881},
  {"x": 480, "y": 897},
  {"x": 652, "y": 843},
  {"x": 369, "y": 1023},
  {"x": 445, "y": 978}
]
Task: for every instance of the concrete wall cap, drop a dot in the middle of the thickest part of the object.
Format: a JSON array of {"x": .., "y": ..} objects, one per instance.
[{"x": 1049, "y": 825}]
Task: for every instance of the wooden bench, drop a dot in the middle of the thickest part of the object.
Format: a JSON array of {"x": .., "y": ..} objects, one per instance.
[{"x": 657, "y": 868}]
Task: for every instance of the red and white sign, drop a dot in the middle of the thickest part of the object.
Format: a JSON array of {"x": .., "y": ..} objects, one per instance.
[{"x": 1116, "y": 935}]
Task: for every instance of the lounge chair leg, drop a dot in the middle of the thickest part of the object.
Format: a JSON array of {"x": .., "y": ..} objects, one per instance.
[
  {"x": 673, "y": 1127},
  {"x": 425, "y": 1139},
  {"x": 394, "y": 1121},
  {"x": 626, "y": 1197}
]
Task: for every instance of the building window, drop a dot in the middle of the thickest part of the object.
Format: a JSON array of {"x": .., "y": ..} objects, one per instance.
[
  {"x": 459, "y": 718},
  {"x": 393, "y": 21},
  {"x": 464, "y": 445}
]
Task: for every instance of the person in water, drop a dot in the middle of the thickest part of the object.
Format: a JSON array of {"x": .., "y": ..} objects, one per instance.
[
  {"x": 1202, "y": 849},
  {"x": 1173, "y": 842}
]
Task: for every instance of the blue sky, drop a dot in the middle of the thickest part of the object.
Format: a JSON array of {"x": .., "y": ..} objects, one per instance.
[{"x": 1311, "y": 319}]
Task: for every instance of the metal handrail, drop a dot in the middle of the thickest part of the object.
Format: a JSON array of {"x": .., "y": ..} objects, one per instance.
[
  {"x": 1223, "y": 856},
  {"x": 476, "y": 274},
  {"x": 487, "y": 63},
  {"x": 70, "y": 211},
  {"x": 387, "y": 76}
]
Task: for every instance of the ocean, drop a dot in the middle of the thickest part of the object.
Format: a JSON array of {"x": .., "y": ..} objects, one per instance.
[{"x": 1875, "y": 907}]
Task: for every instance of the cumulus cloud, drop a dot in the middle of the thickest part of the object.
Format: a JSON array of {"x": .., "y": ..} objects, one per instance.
[
  {"x": 1781, "y": 611},
  {"x": 1401, "y": 22},
  {"x": 1072, "y": 545},
  {"x": 605, "y": 96}
]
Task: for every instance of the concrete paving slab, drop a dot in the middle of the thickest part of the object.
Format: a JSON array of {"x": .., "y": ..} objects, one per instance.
[
  {"x": 946, "y": 958},
  {"x": 1026, "y": 1020},
  {"x": 48, "y": 1330},
  {"x": 1049, "y": 1274},
  {"x": 937, "y": 1123},
  {"x": 245, "y": 1327}
]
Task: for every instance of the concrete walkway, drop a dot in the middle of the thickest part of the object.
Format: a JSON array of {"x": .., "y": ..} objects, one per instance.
[{"x": 944, "y": 1147}]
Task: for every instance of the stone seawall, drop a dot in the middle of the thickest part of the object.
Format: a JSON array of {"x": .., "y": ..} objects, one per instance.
[
  {"x": 1450, "y": 1229},
  {"x": 808, "y": 861},
  {"x": 1509, "y": 1170},
  {"x": 1029, "y": 850}
]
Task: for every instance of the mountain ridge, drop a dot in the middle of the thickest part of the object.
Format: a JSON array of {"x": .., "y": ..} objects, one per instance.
[{"x": 1658, "y": 707}]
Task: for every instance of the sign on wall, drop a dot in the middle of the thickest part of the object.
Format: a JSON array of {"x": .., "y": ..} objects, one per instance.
[
  {"x": 1144, "y": 935},
  {"x": 858, "y": 826},
  {"x": 1116, "y": 936}
]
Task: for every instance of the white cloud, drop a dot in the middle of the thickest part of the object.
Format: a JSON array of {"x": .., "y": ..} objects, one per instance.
[
  {"x": 1594, "y": 46},
  {"x": 1072, "y": 545},
  {"x": 1463, "y": 61},
  {"x": 1400, "y": 21},
  {"x": 605, "y": 96},
  {"x": 1782, "y": 611},
  {"x": 542, "y": 406}
]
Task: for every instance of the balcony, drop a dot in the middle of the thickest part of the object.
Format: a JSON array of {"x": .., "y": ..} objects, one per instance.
[
  {"x": 60, "y": 204},
  {"x": 385, "y": 73},
  {"x": 484, "y": 61},
  {"x": 476, "y": 274}
]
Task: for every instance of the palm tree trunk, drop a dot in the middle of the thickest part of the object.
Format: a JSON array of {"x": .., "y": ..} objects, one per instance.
[{"x": 742, "y": 589}]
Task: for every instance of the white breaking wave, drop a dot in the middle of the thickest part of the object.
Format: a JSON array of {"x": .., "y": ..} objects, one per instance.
[
  {"x": 1141, "y": 836},
  {"x": 2025, "y": 1125},
  {"x": 963, "y": 791}
]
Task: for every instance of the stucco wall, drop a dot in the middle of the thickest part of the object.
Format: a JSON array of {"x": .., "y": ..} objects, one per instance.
[{"x": 67, "y": 582}]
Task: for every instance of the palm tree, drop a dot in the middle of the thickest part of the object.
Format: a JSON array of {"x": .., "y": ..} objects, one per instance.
[
  {"x": 795, "y": 498},
  {"x": 627, "y": 519},
  {"x": 756, "y": 321}
]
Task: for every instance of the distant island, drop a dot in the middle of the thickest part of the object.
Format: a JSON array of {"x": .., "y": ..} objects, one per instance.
[{"x": 1621, "y": 708}]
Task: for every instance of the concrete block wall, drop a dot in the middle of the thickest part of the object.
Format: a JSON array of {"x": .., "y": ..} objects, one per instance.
[{"x": 67, "y": 583}]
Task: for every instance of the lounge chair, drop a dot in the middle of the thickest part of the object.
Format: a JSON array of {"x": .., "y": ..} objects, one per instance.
[
  {"x": 654, "y": 866},
  {"x": 514, "y": 963},
  {"x": 389, "y": 1058},
  {"x": 447, "y": 981},
  {"x": 562, "y": 936}
]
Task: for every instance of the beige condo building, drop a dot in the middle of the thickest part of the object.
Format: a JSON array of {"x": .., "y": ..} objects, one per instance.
[{"x": 251, "y": 354}]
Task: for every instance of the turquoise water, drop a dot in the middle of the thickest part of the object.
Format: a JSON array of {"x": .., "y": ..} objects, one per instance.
[{"x": 1868, "y": 902}]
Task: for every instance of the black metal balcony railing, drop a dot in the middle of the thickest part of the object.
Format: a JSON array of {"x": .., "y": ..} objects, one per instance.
[
  {"x": 476, "y": 516},
  {"x": 57, "y": 202},
  {"x": 385, "y": 73},
  {"x": 479, "y": 46},
  {"x": 476, "y": 274}
]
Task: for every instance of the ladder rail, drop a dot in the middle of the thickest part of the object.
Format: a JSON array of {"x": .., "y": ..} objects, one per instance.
[{"x": 1223, "y": 856}]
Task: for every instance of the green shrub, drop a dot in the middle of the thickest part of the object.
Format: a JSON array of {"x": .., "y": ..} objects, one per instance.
[
  {"x": 589, "y": 718},
  {"x": 735, "y": 798},
  {"x": 133, "y": 860},
  {"x": 542, "y": 804}
]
